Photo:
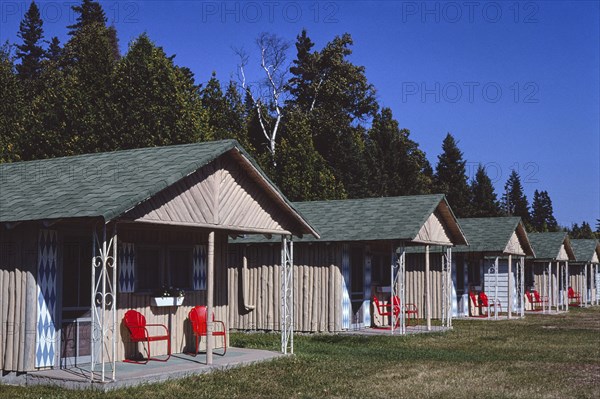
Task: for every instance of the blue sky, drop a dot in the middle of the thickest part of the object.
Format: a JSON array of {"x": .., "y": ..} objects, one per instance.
[{"x": 517, "y": 83}]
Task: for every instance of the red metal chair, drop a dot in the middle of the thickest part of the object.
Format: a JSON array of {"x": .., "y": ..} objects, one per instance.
[
  {"x": 386, "y": 309},
  {"x": 138, "y": 332},
  {"x": 484, "y": 302},
  {"x": 574, "y": 297},
  {"x": 197, "y": 317},
  {"x": 537, "y": 300}
]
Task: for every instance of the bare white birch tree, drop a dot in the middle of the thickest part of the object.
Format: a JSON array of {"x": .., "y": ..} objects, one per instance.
[{"x": 267, "y": 95}]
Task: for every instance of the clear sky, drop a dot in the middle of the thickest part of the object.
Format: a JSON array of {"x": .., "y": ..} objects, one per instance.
[{"x": 517, "y": 83}]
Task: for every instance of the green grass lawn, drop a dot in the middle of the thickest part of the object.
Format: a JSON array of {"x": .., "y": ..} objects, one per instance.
[{"x": 541, "y": 356}]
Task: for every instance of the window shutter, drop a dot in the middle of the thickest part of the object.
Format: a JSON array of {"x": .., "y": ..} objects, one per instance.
[
  {"x": 199, "y": 266},
  {"x": 45, "y": 343},
  {"x": 126, "y": 268}
]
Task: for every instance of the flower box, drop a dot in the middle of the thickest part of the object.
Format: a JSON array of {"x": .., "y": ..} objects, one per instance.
[{"x": 167, "y": 301}]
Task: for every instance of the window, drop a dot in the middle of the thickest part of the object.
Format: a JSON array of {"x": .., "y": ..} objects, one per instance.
[
  {"x": 474, "y": 273},
  {"x": 180, "y": 268},
  {"x": 148, "y": 270}
]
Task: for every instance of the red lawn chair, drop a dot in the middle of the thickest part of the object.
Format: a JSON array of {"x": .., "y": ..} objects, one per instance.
[
  {"x": 197, "y": 317},
  {"x": 574, "y": 297},
  {"x": 387, "y": 309},
  {"x": 484, "y": 302},
  {"x": 138, "y": 332},
  {"x": 536, "y": 300}
]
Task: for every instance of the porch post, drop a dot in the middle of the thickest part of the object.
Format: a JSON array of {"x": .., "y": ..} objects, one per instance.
[
  {"x": 510, "y": 286},
  {"x": 287, "y": 295},
  {"x": 549, "y": 296},
  {"x": 210, "y": 282},
  {"x": 104, "y": 300},
  {"x": 595, "y": 277},
  {"x": 522, "y": 286},
  {"x": 398, "y": 288},
  {"x": 447, "y": 287},
  {"x": 495, "y": 290},
  {"x": 585, "y": 285},
  {"x": 567, "y": 283},
  {"x": 427, "y": 289}
]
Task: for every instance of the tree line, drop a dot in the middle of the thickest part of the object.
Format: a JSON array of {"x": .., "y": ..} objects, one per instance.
[{"x": 313, "y": 123}]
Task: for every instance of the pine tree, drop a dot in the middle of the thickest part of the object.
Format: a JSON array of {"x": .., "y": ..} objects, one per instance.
[
  {"x": 542, "y": 214},
  {"x": 451, "y": 179},
  {"x": 338, "y": 99},
  {"x": 302, "y": 173},
  {"x": 30, "y": 52},
  {"x": 12, "y": 108},
  {"x": 54, "y": 50},
  {"x": 90, "y": 12},
  {"x": 226, "y": 114},
  {"x": 514, "y": 200},
  {"x": 484, "y": 200},
  {"x": 156, "y": 102},
  {"x": 583, "y": 232},
  {"x": 88, "y": 61},
  {"x": 395, "y": 163}
]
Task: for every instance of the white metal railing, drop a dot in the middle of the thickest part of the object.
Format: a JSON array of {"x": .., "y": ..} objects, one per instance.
[
  {"x": 104, "y": 302},
  {"x": 287, "y": 295}
]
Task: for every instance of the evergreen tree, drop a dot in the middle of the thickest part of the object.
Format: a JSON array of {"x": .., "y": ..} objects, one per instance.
[
  {"x": 542, "y": 214},
  {"x": 156, "y": 102},
  {"x": 451, "y": 179},
  {"x": 337, "y": 97},
  {"x": 12, "y": 108},
  {"x": 484, "y": 200},
  {"x": 88, "y": 61},
  {"x": 302, "y": 173},
  {"x": 30, "y": 51},
  {"x": 395, "y": 163},
  {"x": 583, "y": 232},
  {"x": 54, "y": 50},
  {"x": 90, "y": 12},
  {"x": 514, "y": 200},
  {"x": 226, "y": 113}
]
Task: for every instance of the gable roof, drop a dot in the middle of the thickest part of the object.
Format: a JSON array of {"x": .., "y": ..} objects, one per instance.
[
  {"x": 547, "y": 246},
  {"x": 109, "y": 184},
  {"x": 585, "y": 249},
  {"x": 375, "y": 219},
  {"x": 493, "y": 235}
]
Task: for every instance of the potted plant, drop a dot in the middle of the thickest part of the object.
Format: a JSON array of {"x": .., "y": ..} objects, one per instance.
[{"x": 168, "y": 297}]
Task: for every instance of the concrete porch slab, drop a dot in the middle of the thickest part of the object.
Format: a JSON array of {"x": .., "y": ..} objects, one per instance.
[{"x": 127, "y": 374}]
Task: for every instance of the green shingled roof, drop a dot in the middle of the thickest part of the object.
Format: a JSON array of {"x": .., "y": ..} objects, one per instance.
[
  {"x": 370, "y": 219},
  {"x": 584, "y": 249},
  {"x": 104, "y": 184},
  {"x": 547, "y": 245},
  {"x": 492, "y": 234}
]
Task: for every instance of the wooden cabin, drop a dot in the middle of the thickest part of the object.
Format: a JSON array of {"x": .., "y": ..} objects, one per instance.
[
  {"x": 583, "y": 272},
  {"x": 493, "y": 263},
  {"x": 362, "y": 245},
  {"x": 547, "y": 272},
  {"x": 85, "y": 238}
]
